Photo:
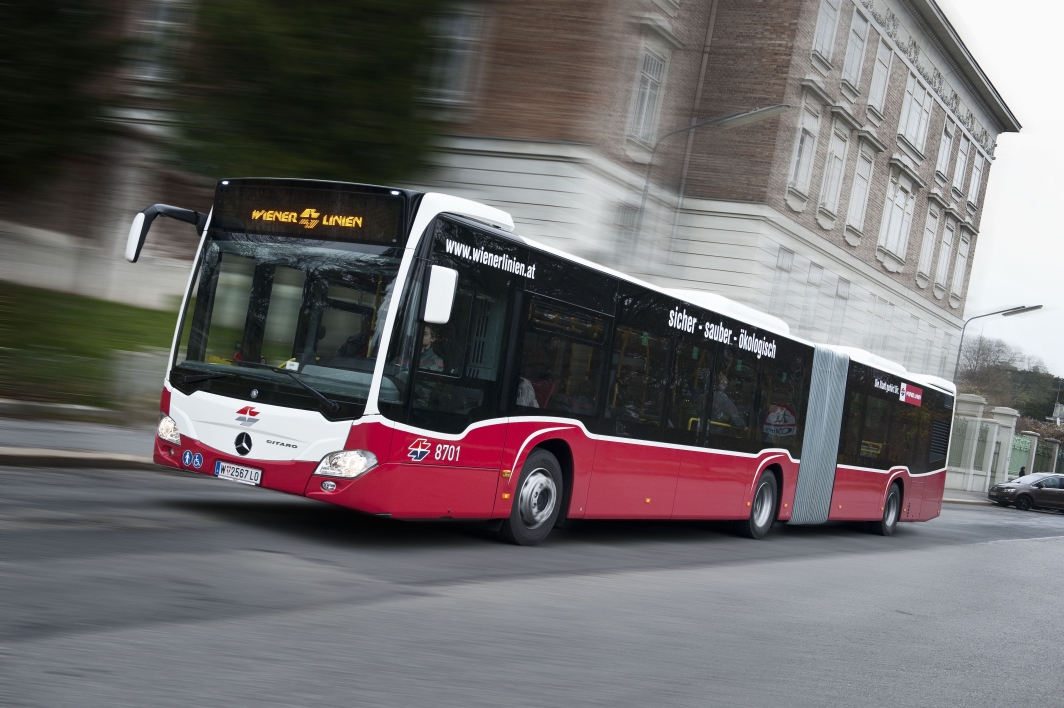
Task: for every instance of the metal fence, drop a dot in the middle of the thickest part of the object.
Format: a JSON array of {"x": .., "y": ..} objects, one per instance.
[{"x": 1021, "y": 450}]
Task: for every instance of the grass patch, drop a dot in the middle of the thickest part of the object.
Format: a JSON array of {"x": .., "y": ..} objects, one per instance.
[{"x": 58, "y": 346}]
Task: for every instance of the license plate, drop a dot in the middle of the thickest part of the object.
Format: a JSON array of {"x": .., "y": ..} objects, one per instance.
[{"x": 237, "y": 473}]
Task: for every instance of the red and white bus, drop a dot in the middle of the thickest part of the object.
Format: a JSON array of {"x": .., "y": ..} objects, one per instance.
[{"x": 407, "y": 355}]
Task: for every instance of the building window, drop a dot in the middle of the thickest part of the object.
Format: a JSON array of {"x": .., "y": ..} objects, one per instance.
[
  {"x": 897, "y": 216},
  {"x": 851, "y": 69},
  {"x": 805, "y": 150},
  {"x": 877, "y": 93},
  {"x": 862, "y": 178},
  {"x": 824, "y": 42},
  {"x": 915, "y": 113},
  {"x": 456, "y": 36},
  {"x": 833, "y": 169},
  {"x": 945, "y": 148},
  {"x": 977, "y": 179},
  {"x": 812, "y": 298},
  {"x": 932, "y": 337},
  {"x": 927, "y": 248},
  {"x": 881, "y": 317},
  {"x": 648, "y": 96},
  {"x": 781, "y": 284},
  {"x": 947, "y": 354},
  {"x": 962, "y": 165},
  {"x": 838, "y": 310},
  {"x": 910, "y": 340},
  {"x": 625, "y": 224},
  {"x": 944, "y": 249},
  {"x": 960, "y": 266}
]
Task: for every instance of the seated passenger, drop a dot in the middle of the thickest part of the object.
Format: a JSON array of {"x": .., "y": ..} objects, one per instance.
[
  {"x": 429, "y": 360},
  {"x": 724, "y": 409}
]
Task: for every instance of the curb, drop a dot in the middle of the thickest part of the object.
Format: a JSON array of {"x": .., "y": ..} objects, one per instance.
[
  {"x": 38, "y": 457},
  {"x": 971, "y": 502}
]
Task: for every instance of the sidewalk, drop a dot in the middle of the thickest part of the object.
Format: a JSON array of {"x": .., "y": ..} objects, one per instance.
[{"x": 956, "y": 496}]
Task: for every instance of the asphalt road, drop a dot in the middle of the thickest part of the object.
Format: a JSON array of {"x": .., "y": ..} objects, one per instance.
[{"x": 133, "y": 588}]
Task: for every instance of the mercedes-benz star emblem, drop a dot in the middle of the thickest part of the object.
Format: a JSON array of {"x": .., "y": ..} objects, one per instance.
[
  {"x": 243, "y": 443},
  {"x": 254, "y": 393}
]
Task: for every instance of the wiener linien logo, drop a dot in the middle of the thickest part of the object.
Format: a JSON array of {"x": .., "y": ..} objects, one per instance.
[{"x": 308, "y": 218}]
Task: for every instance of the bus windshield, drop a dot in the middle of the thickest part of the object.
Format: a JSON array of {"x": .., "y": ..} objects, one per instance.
[{"x": 312, "y": 308}]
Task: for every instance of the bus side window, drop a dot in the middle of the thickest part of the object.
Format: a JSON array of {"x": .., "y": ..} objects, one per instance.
[
  {"x": 691, "y": 390},
  {"x": 849, "y": 437},
  {"x": 638, "y": 375},
  {"x": 780, "y": 414},
  {"x": 560, "y": 362},
  {"x": 457, "y": 366},
  {"x": 918, "y": 455},
  {"x": 731, "y": 409},
  {"x": 875, "y": 424},
  {"x": 905, "y": 424}
]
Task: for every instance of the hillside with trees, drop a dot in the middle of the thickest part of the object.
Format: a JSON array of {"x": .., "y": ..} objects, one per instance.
[{"x": 1006, "y": 376}]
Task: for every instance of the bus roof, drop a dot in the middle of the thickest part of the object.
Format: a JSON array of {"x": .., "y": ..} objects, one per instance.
[{"x": 502, "y": 223}]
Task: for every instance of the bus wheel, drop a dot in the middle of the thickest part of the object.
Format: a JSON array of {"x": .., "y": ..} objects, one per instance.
[
  {"x": 889, "y": 522},
  {"x": 538, "y": 501},
  {"x": 763, "y": 508}
]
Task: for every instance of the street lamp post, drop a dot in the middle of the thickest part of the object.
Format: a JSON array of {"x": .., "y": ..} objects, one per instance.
[
  {"x": 1018, "y": 310},
  {"x": 732, "y": 120}
]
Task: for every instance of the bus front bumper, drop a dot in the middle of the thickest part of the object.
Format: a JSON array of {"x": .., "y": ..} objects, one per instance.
[{"x": 407, "y": 491}]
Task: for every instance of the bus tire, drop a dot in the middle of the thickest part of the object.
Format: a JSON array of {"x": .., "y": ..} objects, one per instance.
[
  {"x": 537, "y": 501},
  {"x": 762, "y": 509},
  {"x": 1024, "y": 502},
  {"x": 891, "y": 513}
]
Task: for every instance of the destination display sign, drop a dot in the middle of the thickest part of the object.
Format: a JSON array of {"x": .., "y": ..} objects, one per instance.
[{"x": 319, "y": 214}]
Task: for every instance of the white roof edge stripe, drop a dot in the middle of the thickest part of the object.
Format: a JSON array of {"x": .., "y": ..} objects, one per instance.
[{"x": 441, "y": 203}]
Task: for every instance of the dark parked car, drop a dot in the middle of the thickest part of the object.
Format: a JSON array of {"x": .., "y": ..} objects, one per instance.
[{"x": 1033, "y": 491}]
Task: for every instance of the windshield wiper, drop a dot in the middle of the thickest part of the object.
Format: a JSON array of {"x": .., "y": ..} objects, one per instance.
[
  {"x": 196, "y": 378},
  {"x": 328, "y": 402}
]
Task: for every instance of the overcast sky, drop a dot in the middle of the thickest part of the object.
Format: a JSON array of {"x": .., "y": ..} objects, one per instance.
[{"x": 1019, "y": 254}]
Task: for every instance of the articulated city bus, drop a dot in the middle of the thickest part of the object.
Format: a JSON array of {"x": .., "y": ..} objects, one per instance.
[{"x": 406, "y": 354}]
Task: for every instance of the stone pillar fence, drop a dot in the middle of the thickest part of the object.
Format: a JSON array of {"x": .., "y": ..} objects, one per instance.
[{"x": 982, "y": 445}]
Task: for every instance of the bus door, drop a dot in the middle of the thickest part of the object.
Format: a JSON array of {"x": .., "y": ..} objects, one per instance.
[
  {"x": 558, "y": 362},
  {"x": 448, "y": 376},
  {"x": 635, "y": 473}
]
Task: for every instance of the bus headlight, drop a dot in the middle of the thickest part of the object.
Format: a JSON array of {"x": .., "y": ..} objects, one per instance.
[
  {"x": 168, "y": 430},
  {"x": 347, "y": 463}
]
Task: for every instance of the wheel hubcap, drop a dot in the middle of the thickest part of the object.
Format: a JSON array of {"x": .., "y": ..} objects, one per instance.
[
  {"x": 892, "y": 509},
  {"x": 763, "y": 504},
  {"x": 537, "y": 498}
]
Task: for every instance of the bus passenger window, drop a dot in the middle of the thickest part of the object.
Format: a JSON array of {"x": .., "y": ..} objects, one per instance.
[
  {"x": 734, "y": 394},
  {"x": 849, "y": 436},
  {"x": 690, "y": 392},
  {"x": 876, "y": 424},
  {"x": 780, "y": 407},
  {"x": 560, "y": 362},
  {"x": 638, "y": 375},
  {"x": 906, "y": 423}
]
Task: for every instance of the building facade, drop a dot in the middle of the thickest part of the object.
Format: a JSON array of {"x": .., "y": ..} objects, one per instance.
[{"x": 854, "y": 216}]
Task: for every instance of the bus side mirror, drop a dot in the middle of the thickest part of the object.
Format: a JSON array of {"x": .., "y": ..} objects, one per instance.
[
  {"x": 439, "y": 296},
  {"x": 142, "y": 222}
]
